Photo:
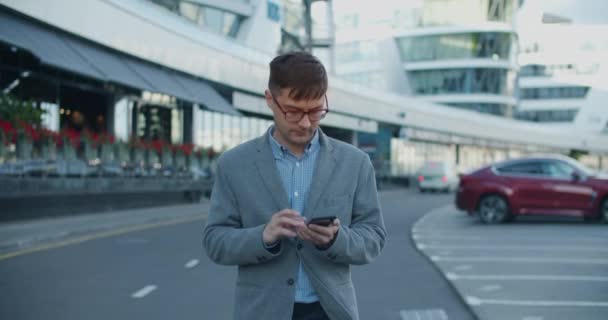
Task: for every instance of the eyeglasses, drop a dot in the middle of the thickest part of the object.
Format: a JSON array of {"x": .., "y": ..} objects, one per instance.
[{"x": 296, "y": 116}]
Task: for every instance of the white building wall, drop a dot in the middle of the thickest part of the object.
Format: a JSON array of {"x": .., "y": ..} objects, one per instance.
[{"x": 139, "y": 28}]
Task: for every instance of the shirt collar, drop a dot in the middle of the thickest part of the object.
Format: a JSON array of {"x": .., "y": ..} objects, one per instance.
[{"x": 280, "y": 151}]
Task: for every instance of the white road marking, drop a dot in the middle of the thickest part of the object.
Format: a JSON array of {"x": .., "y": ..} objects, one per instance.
[
  {"x": 525, "y": 277},
  {"x": 143, "y": 292},
  {"x": 474, "y": 301},
  {"x": 532, "y": 318},
  {"x": 522, "y": 247},
  {"x": 430, "y": 314},
  {"x": 491, "y": 288},
  {"x": 512, "y": 237},
  {"x": 421, "y": 246},
  {"x": 520, "y": 260},
  {"x": 463, "y": 267},
  {"x": 191, "y": 264}
]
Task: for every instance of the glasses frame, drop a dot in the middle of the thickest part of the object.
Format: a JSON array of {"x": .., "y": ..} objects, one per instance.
[{"x": 307, "y": 113}]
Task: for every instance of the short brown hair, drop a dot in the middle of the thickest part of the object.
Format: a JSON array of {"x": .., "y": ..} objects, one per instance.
[{"x": 300, "y": 71}]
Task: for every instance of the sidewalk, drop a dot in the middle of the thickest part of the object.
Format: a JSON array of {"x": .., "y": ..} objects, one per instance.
[{"x": 20, "y": 235}]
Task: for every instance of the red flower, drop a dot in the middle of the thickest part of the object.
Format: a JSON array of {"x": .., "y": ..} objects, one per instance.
[{"x": 186, "y": 148}]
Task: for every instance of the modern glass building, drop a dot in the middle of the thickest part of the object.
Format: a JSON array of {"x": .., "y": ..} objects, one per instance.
[
  {"x": 563, "y": 85},
  {"x": 463, "y": 54}
]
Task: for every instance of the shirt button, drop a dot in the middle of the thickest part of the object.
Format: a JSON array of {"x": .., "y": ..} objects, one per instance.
[
  {"x": 297, "y": 164},
  {"x": 290, "y": 282},
  {"x": 296, "y": 193},
  {"x": 299, "y": 246}
]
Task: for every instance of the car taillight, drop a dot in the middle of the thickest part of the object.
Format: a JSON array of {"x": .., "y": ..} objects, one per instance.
[
  {"x": 444, "y": 179},
  {"x": 420, "y": 178}
]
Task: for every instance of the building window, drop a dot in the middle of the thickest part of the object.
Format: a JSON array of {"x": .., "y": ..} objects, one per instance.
[
  {"x": 462, "y": 81},
  {"x": 215, "y": 20},
  {"x": 490, "y": 45},
  {"x": 566, "y": 115},
  {"x": 575, "y": 92},
  {"x": 274, "y": 12}
]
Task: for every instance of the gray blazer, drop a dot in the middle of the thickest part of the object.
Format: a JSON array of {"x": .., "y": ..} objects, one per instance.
[{"x": 248, "y": 190}]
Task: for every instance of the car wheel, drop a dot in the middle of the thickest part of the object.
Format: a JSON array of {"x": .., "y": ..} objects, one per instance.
[
  {"x": 604, "y": 211},
  {"x": 493, "y": 209},
  {"x": 422, "y": 190}
]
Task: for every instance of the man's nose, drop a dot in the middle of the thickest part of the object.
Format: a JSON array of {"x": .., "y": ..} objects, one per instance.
[{"x": 305, "y": 121}]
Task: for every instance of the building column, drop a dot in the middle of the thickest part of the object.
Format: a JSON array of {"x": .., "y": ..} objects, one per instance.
[{"x": 187, "y": 125}]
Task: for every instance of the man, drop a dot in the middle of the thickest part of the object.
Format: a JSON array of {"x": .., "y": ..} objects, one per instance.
[{"x": 268, "y": 188}]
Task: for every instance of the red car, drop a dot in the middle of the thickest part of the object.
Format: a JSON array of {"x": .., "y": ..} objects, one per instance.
[{"x": 548, "y": 185}]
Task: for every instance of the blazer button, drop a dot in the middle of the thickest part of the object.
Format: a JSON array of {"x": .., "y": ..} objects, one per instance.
[
  {"x": 299, "y": 246},
  {"x": 290, "y": 282}
]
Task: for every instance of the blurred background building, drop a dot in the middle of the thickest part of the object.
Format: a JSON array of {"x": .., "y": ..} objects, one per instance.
[{"x": 411, "y": 80}]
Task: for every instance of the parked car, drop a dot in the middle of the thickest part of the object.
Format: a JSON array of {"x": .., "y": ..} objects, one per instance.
[
  {"x": 544, "y": 185},
  {"x": 33, "y": 168},
  {"x": 74, "y": 168},
  {"x": 437, "y": 176}
]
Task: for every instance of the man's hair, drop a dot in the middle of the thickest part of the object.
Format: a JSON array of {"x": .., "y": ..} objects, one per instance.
[{"x": 301, "y": 72}]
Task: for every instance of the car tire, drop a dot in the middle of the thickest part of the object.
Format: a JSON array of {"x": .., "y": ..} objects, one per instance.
[
  {"x": 603, "y": 214},
  {"x": 494, "y": 209},
  {"x": 422, "y": 190}
]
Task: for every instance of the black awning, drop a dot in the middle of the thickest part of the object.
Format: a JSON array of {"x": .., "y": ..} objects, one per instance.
[
  {"x": 207, "y": 95},
  {"x": 46, "y": 44},
  {"x": 64, "y": 51}
]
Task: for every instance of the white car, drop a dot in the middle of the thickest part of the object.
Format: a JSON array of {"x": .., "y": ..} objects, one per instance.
[{"x": 437, "y": 176}]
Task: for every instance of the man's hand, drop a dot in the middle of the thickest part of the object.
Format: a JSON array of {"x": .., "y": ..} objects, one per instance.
[
  {"x": 283, "y": 224},
  {"x": 319, "y": 235}
]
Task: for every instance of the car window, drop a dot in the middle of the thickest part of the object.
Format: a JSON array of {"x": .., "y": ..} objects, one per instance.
[
  {"x": 522, "y": 168},
  {"x": 557, "y": 169},
  {"x": 434, "y": 168}
]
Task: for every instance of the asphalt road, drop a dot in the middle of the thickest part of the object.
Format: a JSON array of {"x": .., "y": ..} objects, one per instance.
[
  {"x": 536, "y": 268},
  {"x": 162, "y": 273}
]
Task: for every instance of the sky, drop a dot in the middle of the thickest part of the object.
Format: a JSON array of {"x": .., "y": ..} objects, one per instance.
[{"x": 580, "y": 11}]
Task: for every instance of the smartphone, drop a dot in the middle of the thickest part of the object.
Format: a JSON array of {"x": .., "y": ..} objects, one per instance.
[{"x": 323, "y": 221}]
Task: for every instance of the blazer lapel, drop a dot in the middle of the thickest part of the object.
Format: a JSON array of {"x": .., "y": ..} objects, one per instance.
[
  {"x": 326, "y": 163},
  {"x": 269, "y": 173}
]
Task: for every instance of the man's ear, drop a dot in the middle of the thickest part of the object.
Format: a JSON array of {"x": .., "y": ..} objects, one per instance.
[{"x": 268, "y": 97}]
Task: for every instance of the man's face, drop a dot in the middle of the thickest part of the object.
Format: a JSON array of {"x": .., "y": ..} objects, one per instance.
[{"x": 299, "y": 133}]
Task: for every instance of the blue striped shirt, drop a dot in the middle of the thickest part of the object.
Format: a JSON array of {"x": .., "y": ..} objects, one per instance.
[{"x": 296, "y": 174}]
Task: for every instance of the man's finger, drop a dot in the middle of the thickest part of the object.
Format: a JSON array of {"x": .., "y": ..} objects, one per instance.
[
  {"x": 290, "y": 222},
  {"x": 288, "y": 213},
  {"x": 287, "y": 232},
  {"x": 325, "y": 231}
]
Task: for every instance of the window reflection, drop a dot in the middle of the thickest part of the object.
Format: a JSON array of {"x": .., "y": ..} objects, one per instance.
[
  {"x": 449, "y": 81},
  {"x": 491, "y": 45},
  {"x": 211, "y": 19}
]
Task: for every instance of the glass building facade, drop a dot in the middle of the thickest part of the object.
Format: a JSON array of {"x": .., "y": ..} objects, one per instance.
[
  {"x": 571, "y": 92},
  {"x": 564, "y": 115},
  {"x": 491, "y": 45},
  {"x": 208, "y": 18},
  {"x": 462, "y": 81}
]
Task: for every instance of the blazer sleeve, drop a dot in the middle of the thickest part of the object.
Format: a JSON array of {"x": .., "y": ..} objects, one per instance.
[
  {"x": 224, "y": 239},
  {"x": 363, "y": 240}
]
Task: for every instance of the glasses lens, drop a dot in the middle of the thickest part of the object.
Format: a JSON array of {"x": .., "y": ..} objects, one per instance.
[
  {"x": 294, "y": 116},
  {"x": 317, "y": 115}
]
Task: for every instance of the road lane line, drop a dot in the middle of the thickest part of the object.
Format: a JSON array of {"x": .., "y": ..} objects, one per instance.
[
  {"x": 525, "y": 277},
  {"x": 491, "y": 288},
  {"x": 143, "y": 292},
  {"x": 99, "y": 235},
  {"x": 492, "y": 237},
  {"x": 520, "y": 260},
  {"x": 474, "y": 301},
  {"x": 512, "y": 247},
  {"x": 191, "y": 264}
]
